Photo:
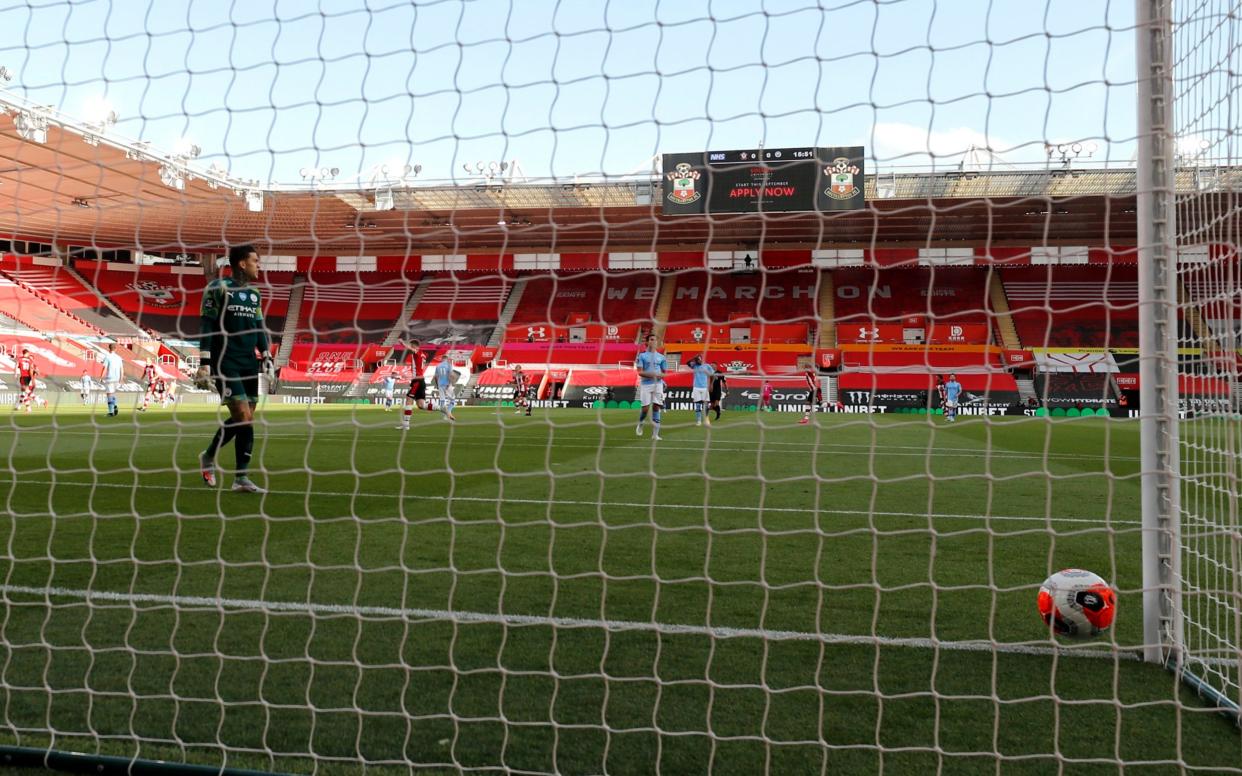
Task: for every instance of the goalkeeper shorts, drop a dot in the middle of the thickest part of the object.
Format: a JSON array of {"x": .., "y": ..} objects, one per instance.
[{"x": 233, "y": 386}]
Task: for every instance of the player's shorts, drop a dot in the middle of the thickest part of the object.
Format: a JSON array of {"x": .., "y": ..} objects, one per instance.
[
  {"x": 651, "y": 393},
  {"x": 699, "y": 394},
  {"x": 446, "y": 392},
  {"x": 715, "y": 394},
  {"x": 25, "y": 381},
  {"x": 237, "y": 387},
  {"x": 417, "y": 390},
  {"x": 950, "y": 405},
  {"x": 110, "y": 386},
  {"x": 387, "y": 393}
]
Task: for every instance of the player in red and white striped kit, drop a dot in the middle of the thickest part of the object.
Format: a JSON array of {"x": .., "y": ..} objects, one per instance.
[
  {"x": 160, "y": 392},
  {"x": 148, "y": 379},
  {"x": 27, "y": 371},
  {"x": 814, "y": 397},
  {"x": 521, "y": 391},
  {"x": 416, "y": 396}
]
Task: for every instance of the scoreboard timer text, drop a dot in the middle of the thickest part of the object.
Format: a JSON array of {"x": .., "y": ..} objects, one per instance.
[{"x": 769, "y": 180}]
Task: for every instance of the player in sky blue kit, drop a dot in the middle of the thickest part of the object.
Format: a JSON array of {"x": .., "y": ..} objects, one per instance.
[
  {"x": 444, "y": 380},
  {"x": 651, "y": 365},
  {"x": 952, "y": 391},
  {"x": 700, "y": 393},
  {"x": 390, "y": 385}
]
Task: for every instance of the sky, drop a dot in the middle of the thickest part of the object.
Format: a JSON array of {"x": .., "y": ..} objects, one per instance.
[{"x": 268, "y": 88}]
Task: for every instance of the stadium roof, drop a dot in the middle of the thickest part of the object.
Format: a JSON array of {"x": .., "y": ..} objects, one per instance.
[{"x": 65, "y": 182}]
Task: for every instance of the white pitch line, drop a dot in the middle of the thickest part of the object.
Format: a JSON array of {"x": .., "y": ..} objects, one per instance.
[
  {"x": 569, "y": 502},
  {"x": 880, "y": 451},
  {"x": 613, "y": 626}
]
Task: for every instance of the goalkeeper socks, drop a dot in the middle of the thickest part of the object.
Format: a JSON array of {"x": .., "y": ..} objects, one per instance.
[
  {"x": 223, "y": 436},
  {"x": 243, "y": 447}
]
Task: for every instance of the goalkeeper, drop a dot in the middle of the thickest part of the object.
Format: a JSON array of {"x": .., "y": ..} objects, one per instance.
[{"x": 233, "y": 339}]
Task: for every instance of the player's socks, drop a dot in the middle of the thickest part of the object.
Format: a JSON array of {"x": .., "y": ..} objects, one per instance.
[
  {"x": 223, "y": 436},
  {"x": 242, "y": 448}
]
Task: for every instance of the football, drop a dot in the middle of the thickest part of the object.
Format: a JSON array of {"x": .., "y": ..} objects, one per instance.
[{"x": 1077, "y": 603}]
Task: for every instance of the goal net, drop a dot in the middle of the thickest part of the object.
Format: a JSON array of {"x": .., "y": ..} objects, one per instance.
[
  {"x": 1205, "y": 118},
  {"x": 896, "y": 270}
]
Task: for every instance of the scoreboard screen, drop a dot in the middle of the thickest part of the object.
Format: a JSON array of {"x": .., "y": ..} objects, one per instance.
[{"x": 768, "y": 180}]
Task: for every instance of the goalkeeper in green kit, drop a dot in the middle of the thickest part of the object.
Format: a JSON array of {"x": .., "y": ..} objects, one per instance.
[{"x": 235, "y": 344}]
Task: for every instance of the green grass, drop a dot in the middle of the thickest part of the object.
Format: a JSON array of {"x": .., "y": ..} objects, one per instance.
[{"x": 857, "y": 526}]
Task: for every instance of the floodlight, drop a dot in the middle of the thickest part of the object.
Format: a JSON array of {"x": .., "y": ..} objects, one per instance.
[
  {"x": 172, "y": 177},
  {"x": 31, "y": 127}
]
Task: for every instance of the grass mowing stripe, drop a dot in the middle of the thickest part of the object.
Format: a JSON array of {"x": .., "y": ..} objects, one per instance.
[
  {"x": 881, "y": 450},
  {"x": 467, "y": 617},
  {"x": 568, "y": 502}
]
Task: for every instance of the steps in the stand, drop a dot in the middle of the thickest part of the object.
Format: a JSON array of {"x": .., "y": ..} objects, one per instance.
[
  {"x": 506, "y": 313},
  {"x": 1026, "y": 389},
  {"x": 664, "y": 306},
  {"x": 407, "y": 312},
  {"x": 1005, "y": 326},
  {"x": 358, "y": 388},
  {"x": 827, "y": 311},
  {"x": 291, "y": 320}
]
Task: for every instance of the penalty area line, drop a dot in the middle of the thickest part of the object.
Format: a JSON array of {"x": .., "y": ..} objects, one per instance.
[
  {"x": 657, "y": 506},
  {"x": 516, "y": 620}
]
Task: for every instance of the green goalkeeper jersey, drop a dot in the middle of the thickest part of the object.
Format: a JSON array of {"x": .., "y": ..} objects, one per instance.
[{"x": 232, "y": 326}]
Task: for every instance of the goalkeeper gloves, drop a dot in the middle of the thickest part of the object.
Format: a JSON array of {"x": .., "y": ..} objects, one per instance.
[
  {"x": 269, "y": 369},
  {"x": 202, "y": 379}
]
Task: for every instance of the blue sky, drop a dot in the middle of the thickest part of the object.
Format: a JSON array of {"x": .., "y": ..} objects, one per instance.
[{"x": 578, "y": 87}]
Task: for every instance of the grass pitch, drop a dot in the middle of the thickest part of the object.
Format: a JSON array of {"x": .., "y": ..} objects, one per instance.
[{"x": 555, "y": 594}]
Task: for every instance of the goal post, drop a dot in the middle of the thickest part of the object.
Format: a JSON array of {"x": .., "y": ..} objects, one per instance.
[{"x": 1157, "y": 329}]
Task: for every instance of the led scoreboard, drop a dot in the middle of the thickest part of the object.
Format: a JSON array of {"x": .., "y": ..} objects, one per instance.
[{"x": 768, "y": 180}]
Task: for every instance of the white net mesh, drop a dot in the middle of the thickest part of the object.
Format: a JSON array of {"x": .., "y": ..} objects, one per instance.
[
  {"x": 541, "y": 587},
  {"x": 1206, "y": 117}
]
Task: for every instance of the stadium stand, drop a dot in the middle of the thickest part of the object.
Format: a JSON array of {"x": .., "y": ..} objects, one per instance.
[
  {"x": 612, "y": 306},
  {"x": 349, "y": 307},
  {"x": 939, "y": 294},
  {"x": 161, "y": 299},
  {"x": 463, "y": 298},
  {"x": 1066, "y": 306},
  {"x": 23, "y": 304},
  {"x": 778, "y": 305},
  {"x": 62, "y": 288}
]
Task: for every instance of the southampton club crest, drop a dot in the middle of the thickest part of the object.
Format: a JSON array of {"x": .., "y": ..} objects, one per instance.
[
  {"x": 683, "y": 177},
  {"x": 156, "y": 294},
  {"x": 841, "y": 176}
]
